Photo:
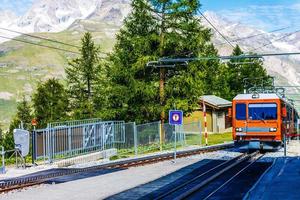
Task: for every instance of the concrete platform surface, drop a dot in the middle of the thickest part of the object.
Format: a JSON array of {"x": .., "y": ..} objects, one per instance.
[
  {"x": 101, "y": 186},
  {"x": 281, "y": 181}
]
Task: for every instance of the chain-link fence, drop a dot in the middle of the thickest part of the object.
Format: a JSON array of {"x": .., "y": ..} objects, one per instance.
[{"x": 154, "y": 137}]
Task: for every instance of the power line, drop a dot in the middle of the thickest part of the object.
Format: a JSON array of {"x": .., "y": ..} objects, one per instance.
[
  {"x": 180, "y": 60},
  {"x": 252, "y": 36},
  {"x": 41, "y": 45},
  {"x": 267, "y": 44},
  {"x": 46, "y": 39},
  {"x": 39, "y": 37},
  {"x": 217, "y": 30}
]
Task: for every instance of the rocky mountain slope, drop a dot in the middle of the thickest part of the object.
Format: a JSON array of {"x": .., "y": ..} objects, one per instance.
[
  {"x": 58, "y": 15},
  {"x": 284, "y": 68}
]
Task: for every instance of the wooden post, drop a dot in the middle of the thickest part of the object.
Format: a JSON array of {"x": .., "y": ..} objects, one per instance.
[
  {"x": 205, "y": 122},
  {"x": 162, "y": 100}
]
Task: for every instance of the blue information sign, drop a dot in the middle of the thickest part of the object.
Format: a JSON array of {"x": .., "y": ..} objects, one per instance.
[{"x": 175, "y": 117}]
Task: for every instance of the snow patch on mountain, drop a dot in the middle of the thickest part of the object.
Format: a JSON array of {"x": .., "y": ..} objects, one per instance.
[
  {"x": 284, "y": 68},
  {"x": 58, "y": 15}
]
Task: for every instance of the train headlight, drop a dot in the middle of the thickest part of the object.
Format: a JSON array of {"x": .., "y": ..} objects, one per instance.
[
  {"x": 238, "y": 129},
  {"x": 273, "y": 129}
]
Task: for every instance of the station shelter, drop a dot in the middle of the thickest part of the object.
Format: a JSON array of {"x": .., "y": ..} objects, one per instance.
[{"x": 217, "y": 108}]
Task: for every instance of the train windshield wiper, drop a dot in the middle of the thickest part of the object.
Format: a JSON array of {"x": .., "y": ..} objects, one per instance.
[{"x": 260, "y": 118}]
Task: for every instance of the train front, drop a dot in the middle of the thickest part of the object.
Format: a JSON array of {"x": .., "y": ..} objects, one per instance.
[{"x": 256, "y": 121}]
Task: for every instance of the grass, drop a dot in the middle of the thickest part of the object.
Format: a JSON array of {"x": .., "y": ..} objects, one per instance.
[
  {"x": 191, "y": 140},
  {"x": 12, "y": 160},
  {"x": 26, "y": 64},
  {"x": 216, "y": 138}
]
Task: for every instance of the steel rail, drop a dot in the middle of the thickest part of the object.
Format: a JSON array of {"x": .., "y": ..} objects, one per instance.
[
  {"x": 234, "y": 176},
  {"x": 18, "y": 183},
  {"x": 196, "y": 177},
  {"x": 207, "y": 181}
]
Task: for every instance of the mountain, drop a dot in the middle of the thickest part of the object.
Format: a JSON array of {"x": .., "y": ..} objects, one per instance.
[
  {"x": 284, "y": 68},
  {"x": 23, "y": 65},
  {"x": 58, "y": 15},
  {"x": 55, "y": 15}
]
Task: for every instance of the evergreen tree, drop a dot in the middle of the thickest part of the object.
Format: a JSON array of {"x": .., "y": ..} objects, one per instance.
[
  {"x": 153, "y": 30},
  {"x": 238, "y": 69},
  {"x": 50, "y": 102},
  {"x": 22, "y": 117},
  {"x": 82, "y": 76}
]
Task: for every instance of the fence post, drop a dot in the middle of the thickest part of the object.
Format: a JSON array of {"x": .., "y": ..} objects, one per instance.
[
  {"x": 135, "y": 139},
  {"x": 103, "y": 137},
  {"x": 49, "y": 143},
  {"x": 69, "y": 141},
  {"x": 3, "y": 160},
  {"x": 33, "y": 145},
  {"x": 160, "y": 129}
]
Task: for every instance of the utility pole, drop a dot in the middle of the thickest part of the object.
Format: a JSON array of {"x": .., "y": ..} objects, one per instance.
[{"x": 162, "y": 74}]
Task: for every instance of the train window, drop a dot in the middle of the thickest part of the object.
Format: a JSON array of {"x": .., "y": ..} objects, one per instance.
[
  {"x": 240, "y": 110},
  {"x": 263, "y": 111}
]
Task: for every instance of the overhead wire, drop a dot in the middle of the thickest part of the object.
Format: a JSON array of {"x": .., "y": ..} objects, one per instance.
[
  {"x": 278, "y": 39},
  {"x": 43, "y": 38},
  {"x": 39, "y": 37},
  {"x": 213, "y": 26},
  {"x": 41, "y": 45},
  {"x": 243, "y": 56},
  {"x": 252, "y": 36}
]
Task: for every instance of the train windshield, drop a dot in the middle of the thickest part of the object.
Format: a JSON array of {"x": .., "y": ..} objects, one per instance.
[{"x": 263, "y": 111}]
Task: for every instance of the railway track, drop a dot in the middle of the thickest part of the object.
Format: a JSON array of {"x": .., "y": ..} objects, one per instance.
[
  {"x": 22, "y": 182},
  {"x": 203, "y": 186}
]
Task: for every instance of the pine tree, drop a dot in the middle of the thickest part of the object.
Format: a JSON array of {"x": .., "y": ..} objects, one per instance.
[
  {"x": 82, "y": 76},
  {"x": 22, "y": 117},
  {"x": 153, "y": 30},
  {"x": 238, "y": 69},
  {"x": 50, "y": 102}
]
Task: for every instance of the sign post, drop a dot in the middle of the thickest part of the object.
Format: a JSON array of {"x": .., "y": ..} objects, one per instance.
[{"x": 176, "y": 119}]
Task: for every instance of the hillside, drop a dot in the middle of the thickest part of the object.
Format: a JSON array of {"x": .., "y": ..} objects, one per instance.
[{"x": 22, "y": 65}]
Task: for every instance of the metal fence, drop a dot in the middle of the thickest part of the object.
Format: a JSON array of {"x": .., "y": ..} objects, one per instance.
[
  {"x": 2, "y": 163},
  {"x": 69, "y": 139},
  {"x": 146, "y": 138}
]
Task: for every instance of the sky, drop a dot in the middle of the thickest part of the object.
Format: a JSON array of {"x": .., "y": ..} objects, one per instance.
[
  {"x": 263, "y": 14},
  {"x": 19, "y": 7}
]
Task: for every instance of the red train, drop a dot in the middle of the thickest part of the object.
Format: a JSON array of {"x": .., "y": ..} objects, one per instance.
[{"x": 260, "y": 120}]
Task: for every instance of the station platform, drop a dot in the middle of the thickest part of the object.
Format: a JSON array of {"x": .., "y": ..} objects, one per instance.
[{"x": 282, "y": 179}]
